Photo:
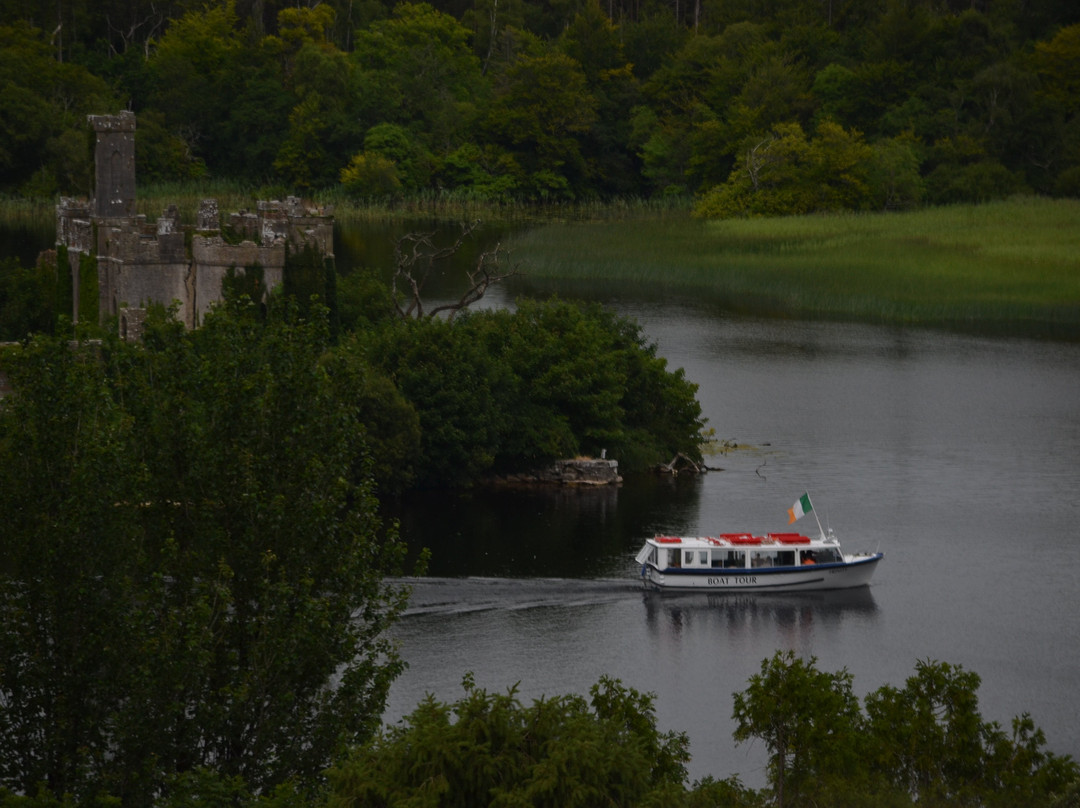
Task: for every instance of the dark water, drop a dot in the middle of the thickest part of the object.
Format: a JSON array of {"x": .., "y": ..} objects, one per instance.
[{"x": 959, "y": 457}]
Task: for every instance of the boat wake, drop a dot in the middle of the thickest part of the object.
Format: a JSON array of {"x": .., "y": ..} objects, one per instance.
[{"x": 463, "y": 595}]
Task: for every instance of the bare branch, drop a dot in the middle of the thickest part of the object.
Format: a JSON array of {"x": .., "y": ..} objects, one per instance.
[
  {"x": 487, "y": 272},
  {"x": 415, "y": 256}
]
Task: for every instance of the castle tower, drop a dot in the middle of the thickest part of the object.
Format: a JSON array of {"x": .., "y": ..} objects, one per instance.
[{"x": 114, "y": 161}]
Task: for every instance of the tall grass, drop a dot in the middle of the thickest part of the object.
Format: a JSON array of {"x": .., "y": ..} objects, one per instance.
[
  {"x": 1011, "y": 266},
  {"x": 18, "y": 210},
  {"x": 453, "y": 205},
  {"x": 465, "y": 205}
]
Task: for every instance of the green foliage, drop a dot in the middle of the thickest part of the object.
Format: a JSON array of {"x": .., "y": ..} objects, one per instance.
[
  {"x": 451, "y": 382},
  {"x": 489, "y": 749},
  {"x": 162, "y": 156},
  {"x": 923, "y": 744},
  {"x": 809, "y": 722},
  {"x": 542, "y": 107},
  {"x": 396, "y": 144},
  {"x": 785, "y": 173},
  {"x": 193, "y": 562},
  {"x": 420, "y": 73},
  {"x": 523, "y": 100},
  {"x": 370, "y": 176},
  {"x": 28, "y": 300},
  {"x": 42, "y": 115},
  {"x": 501, "y": 391},
  {"x": 197, "y": 77}
]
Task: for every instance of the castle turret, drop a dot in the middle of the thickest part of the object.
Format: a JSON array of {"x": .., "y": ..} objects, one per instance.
[{"x": 114, "y": 161}]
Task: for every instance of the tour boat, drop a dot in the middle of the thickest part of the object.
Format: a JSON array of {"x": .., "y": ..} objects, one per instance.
[{"x": 744, "y": 562}]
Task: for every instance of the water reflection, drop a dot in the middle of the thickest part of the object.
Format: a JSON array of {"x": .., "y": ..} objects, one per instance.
[
  {"x": 549, "y": 532},
  {"x": 804, "y": 611}
]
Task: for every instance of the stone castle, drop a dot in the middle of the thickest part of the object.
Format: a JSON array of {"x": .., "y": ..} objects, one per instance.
[{"x": 139, "y": 263}]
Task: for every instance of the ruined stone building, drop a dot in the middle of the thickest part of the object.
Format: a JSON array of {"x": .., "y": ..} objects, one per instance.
[{"x": 139, "y": 263}]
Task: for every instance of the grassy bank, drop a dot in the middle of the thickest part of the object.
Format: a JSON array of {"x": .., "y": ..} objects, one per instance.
[{"x": 1005, "y": 267}]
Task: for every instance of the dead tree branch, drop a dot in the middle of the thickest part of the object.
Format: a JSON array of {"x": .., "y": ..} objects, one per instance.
[{"x": 415, "y": 257}]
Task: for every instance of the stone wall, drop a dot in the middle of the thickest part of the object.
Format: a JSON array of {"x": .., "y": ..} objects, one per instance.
[
  {"x": 212, "y": 259},
  {"x": 140, "y": 263}
]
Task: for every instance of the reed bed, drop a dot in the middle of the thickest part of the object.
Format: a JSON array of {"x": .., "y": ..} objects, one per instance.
[
  {"x": 18, "y": 210},
  {"x": 1011, "y": 266}
]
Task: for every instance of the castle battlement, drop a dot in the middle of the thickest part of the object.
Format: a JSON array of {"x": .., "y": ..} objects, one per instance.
[{"x": 139, "y": 262}]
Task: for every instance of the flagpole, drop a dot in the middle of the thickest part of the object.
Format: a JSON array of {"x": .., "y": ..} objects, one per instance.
[{"x": 813, "y": 510}]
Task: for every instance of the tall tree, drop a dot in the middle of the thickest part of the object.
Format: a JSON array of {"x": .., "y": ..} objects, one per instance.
[
  {"x": 489, "y": 749},
  {"x": 808, "y": 720},
  {"x": 193, "y": 562}
]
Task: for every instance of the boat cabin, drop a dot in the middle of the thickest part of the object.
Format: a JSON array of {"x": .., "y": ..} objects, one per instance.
[{"x": 740, "y": 551}]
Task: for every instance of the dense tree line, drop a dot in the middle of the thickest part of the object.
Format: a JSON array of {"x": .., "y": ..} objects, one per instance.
[
  {"x": 192, "y": 574},
  {"x": 922, "y": 744},
  {"x": 756, "y": 106}
]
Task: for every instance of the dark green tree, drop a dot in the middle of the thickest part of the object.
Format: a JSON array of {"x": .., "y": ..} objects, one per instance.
[
  {"x": 500, "y": 391},
  {"x": 489, "y": 749},
  {"x": 928, "y": 736},
  {"x": 541, "y": 111},
  {"x": 43, "y": 108},
  {"x": 193, "y": 564},
  {"x": 809, "y": 721},
  {"x": 28, "y": 299}
]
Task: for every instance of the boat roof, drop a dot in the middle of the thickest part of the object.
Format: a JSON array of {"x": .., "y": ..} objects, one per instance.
[{"x": 738, "y": 540}]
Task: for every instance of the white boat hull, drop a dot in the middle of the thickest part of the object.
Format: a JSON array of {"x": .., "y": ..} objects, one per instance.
[{"x": 854, "y": 571}]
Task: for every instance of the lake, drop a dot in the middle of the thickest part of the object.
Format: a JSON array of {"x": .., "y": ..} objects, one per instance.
[{"x": 957, "y": 456}]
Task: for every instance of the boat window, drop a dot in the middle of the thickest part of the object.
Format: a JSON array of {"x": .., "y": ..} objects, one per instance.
[
  {"x": 703, "y": 558},
  {"x": 761, "y": 558},
  {"x": 673, "y": 558},
  {"x": 785, "y": 558},
  {"x": 735, "y": 558},
  {"x": 829, "y": 555},
  {"x": 688, "y": 557}
]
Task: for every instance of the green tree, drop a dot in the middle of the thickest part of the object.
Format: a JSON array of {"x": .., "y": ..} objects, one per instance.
[
  {"x": 28, "y": 299},
  {"x": 809, "y": 721},
  {"x": 43, "y": 108},
  {"x": 500, "y": 391},
  {"x": 453, "y": 384},
  {"x": 541, "y": 111},
  {"x": 593, "y": 41},
  {"x": 490, "y": 749},
  {"x": 196, "y": 73},
  {"x": 197, "y": 585},
  {"x": 589, "y": 381},
  {"x": 370, "y": 176},
  {"x": 927, "y": 737},
  {"x": 785, "y": 173},
  {"x": 893, "y": 175},
  {"x": 420, "y": 73},
  {"x": 766, "y": 181}
]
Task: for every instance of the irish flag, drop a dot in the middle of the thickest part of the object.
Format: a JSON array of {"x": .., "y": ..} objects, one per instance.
[{"x": 801, "y": 507}]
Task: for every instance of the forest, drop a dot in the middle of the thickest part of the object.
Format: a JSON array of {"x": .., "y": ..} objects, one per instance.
[{"x": 749, "y": 107}]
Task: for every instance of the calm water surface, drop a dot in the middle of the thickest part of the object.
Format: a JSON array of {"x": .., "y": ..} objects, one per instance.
[{"x": 957, "y": 456}]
